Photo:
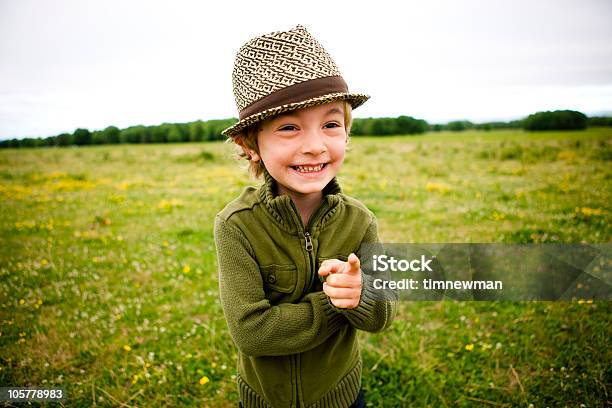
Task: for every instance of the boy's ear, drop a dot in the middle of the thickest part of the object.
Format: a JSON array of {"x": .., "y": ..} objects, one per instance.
[{"x": 253, "y": 156}]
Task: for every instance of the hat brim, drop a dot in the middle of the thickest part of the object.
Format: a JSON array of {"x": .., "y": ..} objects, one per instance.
[{"x": 355, "y": 99}]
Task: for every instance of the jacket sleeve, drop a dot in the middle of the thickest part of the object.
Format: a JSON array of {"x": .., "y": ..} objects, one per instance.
[
  {"x": 257, "y": 327},
  {"x": 373, "y": 314}
]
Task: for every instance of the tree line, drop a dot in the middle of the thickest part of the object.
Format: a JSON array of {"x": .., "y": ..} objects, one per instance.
[{"x": 210, "y": 130}]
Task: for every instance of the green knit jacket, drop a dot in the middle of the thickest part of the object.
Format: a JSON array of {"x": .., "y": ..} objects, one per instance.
[{"x": 295, "y": 349}]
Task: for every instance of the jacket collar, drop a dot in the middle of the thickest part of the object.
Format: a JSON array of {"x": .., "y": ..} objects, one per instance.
[{"x": 285, "y": 213}]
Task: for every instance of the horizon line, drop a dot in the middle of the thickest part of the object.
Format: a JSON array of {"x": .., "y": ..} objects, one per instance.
[{"x": 601, "y": 113}]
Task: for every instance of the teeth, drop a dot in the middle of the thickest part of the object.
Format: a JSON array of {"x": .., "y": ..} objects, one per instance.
[{"x": 309, "y": 169}]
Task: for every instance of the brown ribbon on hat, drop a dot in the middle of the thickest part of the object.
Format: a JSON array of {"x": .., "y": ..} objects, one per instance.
[{"x": 296, "y": 93}]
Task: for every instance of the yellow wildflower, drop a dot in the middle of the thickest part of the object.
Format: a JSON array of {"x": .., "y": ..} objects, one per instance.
[
  {"x": 439, "y": 187},
  {"x": 498, "y": 216},
  {"x": 469, "y": 347},
  {"x": 204, "y": 380},
  {"x": 586, "y": 211},
  {"x": 186, "y": 269},
  {"x": 127, "y": 348},
  {"x": 566, "y": 155},
  {"x": 170, "y": 204}
]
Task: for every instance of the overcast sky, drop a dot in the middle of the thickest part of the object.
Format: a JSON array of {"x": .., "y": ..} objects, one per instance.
[{"x": 66, "y": 64}]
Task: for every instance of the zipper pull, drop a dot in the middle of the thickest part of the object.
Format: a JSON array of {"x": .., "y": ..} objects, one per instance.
[{"x": 308, "y": 241}]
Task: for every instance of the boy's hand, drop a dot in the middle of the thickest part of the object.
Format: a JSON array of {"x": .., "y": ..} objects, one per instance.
[{"x": 343, "y": 283}]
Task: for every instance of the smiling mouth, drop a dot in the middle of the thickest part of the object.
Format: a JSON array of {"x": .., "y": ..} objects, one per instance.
[{"x": 309, "y": 169}]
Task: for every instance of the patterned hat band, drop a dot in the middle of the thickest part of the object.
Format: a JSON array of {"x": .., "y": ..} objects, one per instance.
[
  {"x": 297, "y": 93},
  {"x": 283, "y": 71}
]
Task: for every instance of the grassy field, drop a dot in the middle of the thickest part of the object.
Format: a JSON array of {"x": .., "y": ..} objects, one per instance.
[{"x": 108, "y": 282}]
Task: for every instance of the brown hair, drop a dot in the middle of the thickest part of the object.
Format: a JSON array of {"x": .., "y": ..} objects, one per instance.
[{"x": 247, "y": 139}]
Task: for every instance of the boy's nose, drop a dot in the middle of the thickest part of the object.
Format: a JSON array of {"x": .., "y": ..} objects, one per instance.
[{"x": 313, "y": 143}]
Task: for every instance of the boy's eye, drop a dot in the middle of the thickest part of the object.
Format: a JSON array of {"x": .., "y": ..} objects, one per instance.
[{"x": 290, "y": 128}]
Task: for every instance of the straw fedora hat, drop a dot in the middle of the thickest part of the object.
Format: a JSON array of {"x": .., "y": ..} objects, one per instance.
[{"x": 283, "y": 71}]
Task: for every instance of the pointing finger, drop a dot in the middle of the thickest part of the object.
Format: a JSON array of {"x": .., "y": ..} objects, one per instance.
[{"x": 354, "y": 263}]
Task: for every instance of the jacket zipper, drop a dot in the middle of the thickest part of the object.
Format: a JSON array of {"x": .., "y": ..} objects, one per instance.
[
  {"x": 308, "y": 241},
  {"x": 309, "y": 251},
  {"x": 296, "y": 397},
  {"x": 308, "y": 245}
]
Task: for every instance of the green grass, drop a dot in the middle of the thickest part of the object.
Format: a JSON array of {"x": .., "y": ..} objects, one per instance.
[{"x": 108, "y": 282}]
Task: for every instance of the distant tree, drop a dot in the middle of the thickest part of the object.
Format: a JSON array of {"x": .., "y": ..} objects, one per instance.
[
  {"x": 111, "y": 134},
  {"x": 361, "y": 127},
  {"x": 49, "y": 141},
  {"x": 407, "y": 125},
  {"x": 82, "y": 137},
  {"x": 133, "y": 134},
  {"x": 195, "y": 131},
  {"x": 27, "y": 142},
  {"x": 174, "y": 134},
  {"x": 383, "y": 126},
  {"x": 159, "y": 134},
  {"x": 556, "y": 120},
  {"x": 10, "y": 143},
  {"x": 65, "y": 139},
  {"x": 146, "y": 134},
  {"x": 496, "y": 125},
  {"x": 97, "y": 137},
  {"x": 459, "y": 125},
  {"x": 600, "y": 121},
  {"x": 357, "y": 127},
  {"x": 215, "y": 127}
]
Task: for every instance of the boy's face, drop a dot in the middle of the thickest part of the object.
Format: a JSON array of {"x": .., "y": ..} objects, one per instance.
[{"x": 304, "y": 149}]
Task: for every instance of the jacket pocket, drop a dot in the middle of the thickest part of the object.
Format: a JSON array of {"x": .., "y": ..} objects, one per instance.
[{"x": 278, "y": 280}]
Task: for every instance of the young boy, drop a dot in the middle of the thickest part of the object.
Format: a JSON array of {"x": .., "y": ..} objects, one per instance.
[{"x": 290, "y": 281}]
